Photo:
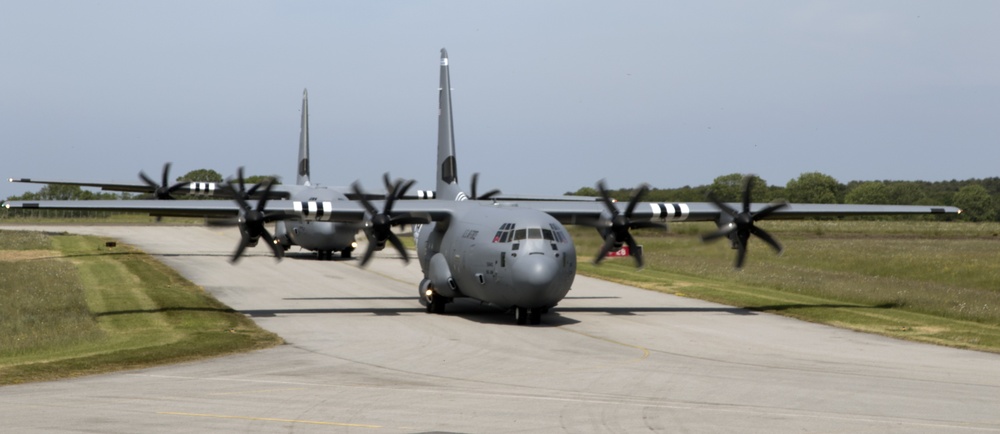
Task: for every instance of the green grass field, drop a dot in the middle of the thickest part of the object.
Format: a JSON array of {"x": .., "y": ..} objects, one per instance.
[
  {"x": 72, "y": 306},
  {"x": 933, "y": 282}
]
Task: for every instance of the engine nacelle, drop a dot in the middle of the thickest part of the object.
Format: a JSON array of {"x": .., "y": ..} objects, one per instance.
[{"x": 281, "y": 235}]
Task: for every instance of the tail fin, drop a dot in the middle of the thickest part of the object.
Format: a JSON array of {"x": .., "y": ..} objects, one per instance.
[
  {"x": 447, "y": 174},
  {"x": 303, "y": 170}
]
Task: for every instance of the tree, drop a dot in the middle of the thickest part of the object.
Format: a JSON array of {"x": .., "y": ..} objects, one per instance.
[
  {"x": 729, "y": 188},
  {"x": 201, "y": 175},
  {"x": 976, "y": 203},
  {"x": 873, "y": 192},
  {"x": 255, "y": 179},
  {"x": 814, "y": 187}
]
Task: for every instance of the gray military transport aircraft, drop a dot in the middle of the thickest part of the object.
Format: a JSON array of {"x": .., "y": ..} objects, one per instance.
[
  {"x": 322, "y": 237},
  {"x": 515, "y": 255}
]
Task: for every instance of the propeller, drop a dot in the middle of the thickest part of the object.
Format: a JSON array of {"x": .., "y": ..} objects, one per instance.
[
  {"x": 389, "y": 185},
  {"x": 485, "y": 196},
  {"x": 741, "y": 225},
  {"x": 243, "y": 192},
  {"x": 616, "y": 229},
  {"x": 252, "y": 220},
  {"x": 162, "y": 191},
  {"x": 378, "y": 228}
]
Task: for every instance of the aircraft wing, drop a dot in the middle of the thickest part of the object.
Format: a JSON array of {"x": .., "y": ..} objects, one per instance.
[
  {"x": 211, "y": 189},
  {"x": 346, "y": 211},
  {"x": 172, "y": 208},
  {"x": 581, "y": 212},
  {"x": 568, "y": 212},
  {"x": 131, "y": 188}
]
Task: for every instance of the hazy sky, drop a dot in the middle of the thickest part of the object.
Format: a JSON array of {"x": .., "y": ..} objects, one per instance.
[{"x": 549, "y": 96}]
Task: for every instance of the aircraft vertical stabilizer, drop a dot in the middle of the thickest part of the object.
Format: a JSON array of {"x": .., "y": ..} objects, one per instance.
[
  {"x": 447, "y": 175},
  {"x": 303, "y": 169}
]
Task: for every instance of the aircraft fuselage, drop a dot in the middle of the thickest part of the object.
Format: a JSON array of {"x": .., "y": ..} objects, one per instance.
[
  {"x": 506, "y": 256},
  {"x": 318, "y": 236}
]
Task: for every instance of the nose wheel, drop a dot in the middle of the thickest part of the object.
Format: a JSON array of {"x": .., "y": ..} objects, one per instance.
[
  {"x": 433, "y": 302},
  {"x": 531, "y": 316}
]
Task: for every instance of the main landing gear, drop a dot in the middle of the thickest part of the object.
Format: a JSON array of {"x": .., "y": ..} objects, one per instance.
[{"x": 531, "y": 316}]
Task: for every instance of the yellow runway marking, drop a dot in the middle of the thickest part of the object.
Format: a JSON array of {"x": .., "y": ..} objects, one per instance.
[
  {"x": 250, "y": 392},
  {"x": 269, "y": 419}
]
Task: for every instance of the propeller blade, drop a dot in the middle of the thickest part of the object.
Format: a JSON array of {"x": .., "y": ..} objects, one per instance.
[
  {"x": 278, "y": 251},
  {"x": 721, "y": 232},
  {"x": 267, "y": 194},
  {"x": 634, "y": 250},
  {"x": 636, "y": 196},
  {"x": 399, "y": 246},
  {"x": 606, "y": 198},
  {"x": 364, "y": 201},
  {"x": 609, "y": 243},
  {"x": 239, "y": 250},
  {"x": 475, "y": 180},
  {"x": 762, "y": 214},
  {"x": 722, "y": 206},
  {"x": 368, "y": 251},
  {"x": 741, "y": 255},
  {"x": 150, "y": 182},
  {"x": 770, "y": 240},
  {"x": 166, "y": 174},
  {"x": 747, "y": 185}
]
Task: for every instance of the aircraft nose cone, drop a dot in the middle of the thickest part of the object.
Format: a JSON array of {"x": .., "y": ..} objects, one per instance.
[{"x": 535, "y": 272}]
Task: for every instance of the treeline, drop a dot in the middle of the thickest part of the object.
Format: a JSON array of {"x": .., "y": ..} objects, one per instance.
[{"x": 979, "y": 199}]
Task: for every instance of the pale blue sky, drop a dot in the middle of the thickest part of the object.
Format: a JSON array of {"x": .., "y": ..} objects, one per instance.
[{"x": 549, "y": 96}]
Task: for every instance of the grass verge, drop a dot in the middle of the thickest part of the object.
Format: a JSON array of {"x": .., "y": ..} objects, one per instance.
[
  {"x": 81, "y": 308},
  {"x": 935, "y": 282}
]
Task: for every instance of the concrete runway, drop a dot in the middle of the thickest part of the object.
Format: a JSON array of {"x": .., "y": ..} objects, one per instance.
[{"x": 362, "y": 356}]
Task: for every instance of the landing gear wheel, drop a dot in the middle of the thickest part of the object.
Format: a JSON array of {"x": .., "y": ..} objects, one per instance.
[
  {"x": 535, "y": 316},
  {"x": 521, "y": 315},
  {"x": 346, "y": 253},
  {"x": 434, "y": 303},
  {"x": 437, "y": 305}
]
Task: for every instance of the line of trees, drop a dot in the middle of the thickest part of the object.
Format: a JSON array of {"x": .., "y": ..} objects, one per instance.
[{"x": 979, "y": 199}]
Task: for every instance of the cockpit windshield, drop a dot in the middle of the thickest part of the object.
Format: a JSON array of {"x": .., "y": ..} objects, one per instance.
[{"x": 507, "y": 233}]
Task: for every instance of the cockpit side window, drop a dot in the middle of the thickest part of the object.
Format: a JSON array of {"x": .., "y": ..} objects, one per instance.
[
  {"x": 557, "y": 234},
  {"x": 504, "y": 234},
  {"x": 547, "y": 234}
]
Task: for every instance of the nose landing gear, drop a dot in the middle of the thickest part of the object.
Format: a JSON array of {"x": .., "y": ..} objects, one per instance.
[
  {"x": 432, "y": 301},
  {"x": 531, "y": 316}
]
